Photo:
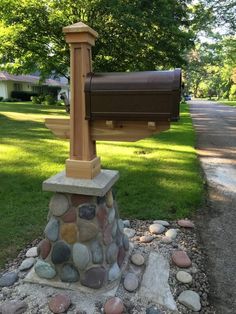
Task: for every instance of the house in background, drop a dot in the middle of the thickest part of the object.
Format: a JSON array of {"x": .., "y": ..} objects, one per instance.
[{"x": 29, "y": 85}]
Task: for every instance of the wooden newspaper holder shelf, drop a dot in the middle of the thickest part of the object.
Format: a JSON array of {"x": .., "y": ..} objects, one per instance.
[{"x": 111, "y": 106}]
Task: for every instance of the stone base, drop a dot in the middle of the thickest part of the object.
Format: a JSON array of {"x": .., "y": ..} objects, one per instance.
[{"x": 84, "y": 241}]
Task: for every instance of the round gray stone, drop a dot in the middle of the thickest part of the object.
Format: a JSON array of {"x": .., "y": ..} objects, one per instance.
[
  {"x": 126, "y": 242},
  {"x": 131, "y": 282},
  {"x": 52, "y": 229},
  {"x": 27, "y": 264},
  {"x": 13, "y": 307},
  {"x": 94, "y": 277},
  {"x": 87, "y": 211},
  {"x": 172, "y": 233},
  {"x": 111, "y": 215},
  {"x": 137, "y": 259},
  {"x": 190, "y": 299},
  {"x": 129, "y": 232},
  {"x": 153, "y": 310},
  {"x": 146, "y": 239},
  {"x": 8, "y": 279},
  {"x": 60, "y": 252},
  {"x": 69, "y": 273},
  {"x": 166, "y": 240},
  {"x": 97, "y": 252},
  {"x": 114, "y": 272},
  {"x": 184, "y": 277},
  {"x": 44, "y": 270},
  {"x": 156, "y": 228},
  {"x": 114, "y": 230},
  {"x": 162, "y": 222},
  {"x": 126, "y": 223},
  {"x": 111, "y": 254},
  {"x": 81, "y": 255},
  {"x": 59, "y": 204}
]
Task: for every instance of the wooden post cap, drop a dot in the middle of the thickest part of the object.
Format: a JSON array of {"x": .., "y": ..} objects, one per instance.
[{"x": 80, "y": 32}]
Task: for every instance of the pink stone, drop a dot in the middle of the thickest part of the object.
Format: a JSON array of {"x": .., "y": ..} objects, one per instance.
[
  {"x": 181, "y": 259},
  {"x": 114, "y": 306},
  {"x": 78, "y": 199},
  {"x": 146, "y": 239},
  {"x": 69, "y": 216},
  {"x": 185, "y": 223},
  {"x": 102, "y": 217},
  {"x": 59, "y": 303},
  {"x": 44, "y": 248},
  {"x": 107, "y": 235}
]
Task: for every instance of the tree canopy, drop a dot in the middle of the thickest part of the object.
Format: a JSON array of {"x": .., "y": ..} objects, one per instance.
[{"x": 133, "y": 35}]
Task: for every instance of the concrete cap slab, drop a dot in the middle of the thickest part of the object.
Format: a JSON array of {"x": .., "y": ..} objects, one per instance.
[{"x": 98, "y": 186}]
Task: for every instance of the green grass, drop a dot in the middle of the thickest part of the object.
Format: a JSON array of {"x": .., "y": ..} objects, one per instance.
[
  {"x": 159, "y": 176},
  {"x": 227, "y": 102}
]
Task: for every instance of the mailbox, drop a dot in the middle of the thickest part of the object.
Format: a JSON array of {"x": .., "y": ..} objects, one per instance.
[{"x": 136, "y": 96}]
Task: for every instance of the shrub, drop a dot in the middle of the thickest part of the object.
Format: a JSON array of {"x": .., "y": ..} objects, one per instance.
[
  {"x": 1, "y": 98},
  {"x": 49, "y": 100},
  {"x": 24, "y": 96},
  {"x": 232, "y": 93},
  {"x": 37, "y": 100}
]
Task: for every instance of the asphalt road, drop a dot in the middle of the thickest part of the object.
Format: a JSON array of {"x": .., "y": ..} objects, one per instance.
[{"x": 216, "y": 221}]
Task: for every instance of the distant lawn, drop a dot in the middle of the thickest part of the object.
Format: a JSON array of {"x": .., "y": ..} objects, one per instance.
[
  {"x": 228, "y": 102},
  {"x": 159, "y": 176}
]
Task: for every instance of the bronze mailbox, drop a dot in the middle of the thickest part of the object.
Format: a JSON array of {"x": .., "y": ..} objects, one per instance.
[{"x": 136, "y": 96}]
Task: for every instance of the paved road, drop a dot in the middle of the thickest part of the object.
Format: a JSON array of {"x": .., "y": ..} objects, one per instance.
[{"x": 216, "y": 143}]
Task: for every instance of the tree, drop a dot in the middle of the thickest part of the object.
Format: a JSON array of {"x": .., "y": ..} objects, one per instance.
[{"x": 134, "y": 35}]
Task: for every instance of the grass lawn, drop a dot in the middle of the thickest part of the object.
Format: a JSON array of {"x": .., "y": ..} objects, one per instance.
[
  {"x": 159, "y": 176},
  {"x": 227, "y": 102}
]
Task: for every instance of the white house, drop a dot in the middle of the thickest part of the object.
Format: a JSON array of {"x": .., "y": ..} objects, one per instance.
[{"x": 28, "y": 83}]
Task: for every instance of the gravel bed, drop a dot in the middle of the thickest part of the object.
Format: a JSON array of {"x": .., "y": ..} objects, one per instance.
[{"x": 186, "y": 240}]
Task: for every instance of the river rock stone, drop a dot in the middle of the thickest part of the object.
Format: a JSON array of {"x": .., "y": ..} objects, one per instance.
[
  {"x": 52, "y": 229},
  {"x": 185, "y": 223},
  {"x": 109, "y": 199},
  {"x": 146, "y": 239},
  {"x": 44, "y": 270},
  {"x": 126, "y": 223},
  {"x": 44, "y": 248},
  {"x": 102, "y": 216},
  {"x": 69, "y": 273},
  {"x": 81, "y": 256},
  {"x": 171, "y": 233},
  {"x": 87, "y": 230},
  {"x": 13, "y": 307},
  {"x": 94, "y": 277},
  {"x": 181, "y": 259},
  {"x": 60, "y": 252},
  {"x": 190, "y": 299},
  {"x": 119, "y": 238},
  {"x": 79, "y": 199},
  {"x": 111, "y": 254},
  {"x": 114, "y": 229},
  {"x": 107, "y": 235},
  {"x": 27, "y": 264},
  {"x": 137, "y": 259},
  {"x": 162, "y": 222},
  {"x": 32, "y": 252},
  {"x": 111, "y": 215},
  {"x": 59, "y": 204},
  {"x": 8, "y": 279},
  {"x": 121, "y": 256},
  {"x": 114, "y": 272},
  {"x": 114, "y": 306},
  {"x": 156, "y": 228},
  {"x": 97, "y": 252},
  {"x": 184, "y": 277},
  {"x": 153, "y": 310},
  {"x": 87, "y": 211},
  {"x": 68, "y": 232},
  {"x": 129, "y": 232},
  {"x": 166, "y": 240},
  {"x": 70, "y": 215},
  {"x": 126, "y": 242},
  {"x": 59, "y": 303},
  {"x": 131, "y": 282},
  {"x": 120, "y": 225}
]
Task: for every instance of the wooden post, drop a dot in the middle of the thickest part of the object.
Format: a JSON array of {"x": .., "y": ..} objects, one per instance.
[{"x": 83, "y": 162}]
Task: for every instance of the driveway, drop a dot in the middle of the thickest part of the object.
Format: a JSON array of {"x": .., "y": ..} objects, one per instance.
[{"x": 216, "y": 221}]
